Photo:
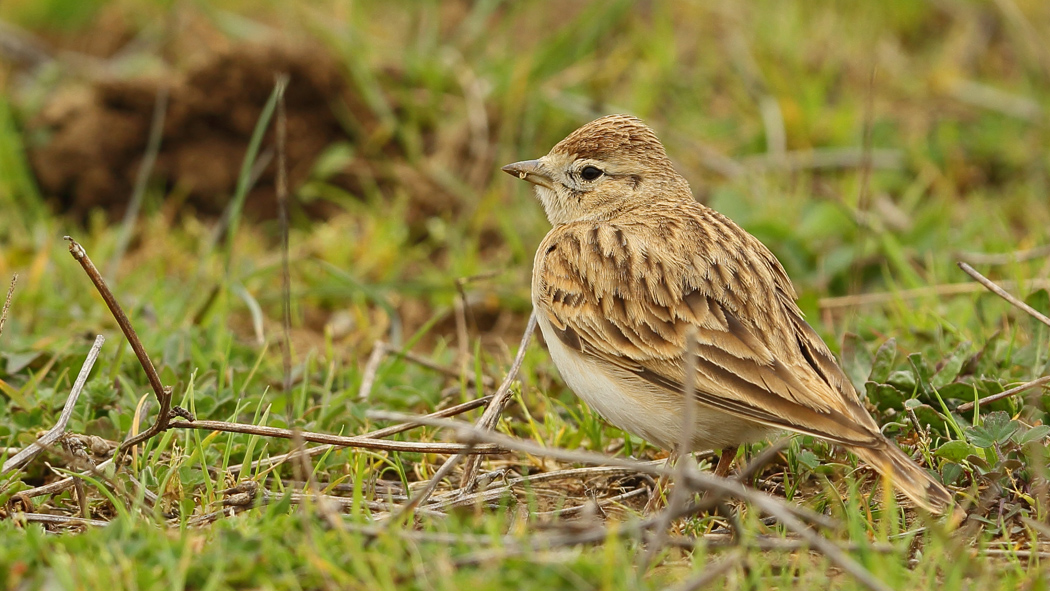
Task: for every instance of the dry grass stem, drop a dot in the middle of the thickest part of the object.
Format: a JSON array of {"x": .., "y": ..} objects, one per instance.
[
  {"x": 55, "y": 433},
  {"x": 983, "y": 258},
  {"x": 718, "y": 487},
  {"x": 1005, "y": 394},
  {"x": 499, "y": 401},
  {"x": 336, "y": 440},
  {"x": 56, "y": 519},
  {"x": 999, "y": 291},
  {"x": 944, "y": 290},
  {"x": 378, "y": 434},
  {"x": 432, "y": 484}
]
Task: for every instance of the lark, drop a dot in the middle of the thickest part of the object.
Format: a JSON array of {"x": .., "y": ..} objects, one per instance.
[{"x": 634, "y": 268}]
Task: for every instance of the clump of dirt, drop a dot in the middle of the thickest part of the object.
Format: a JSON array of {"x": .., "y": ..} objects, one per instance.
[{"x": 96, "y": 135}]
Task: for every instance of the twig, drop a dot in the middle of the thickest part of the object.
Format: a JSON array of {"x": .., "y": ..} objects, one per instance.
[
  {"x": 57, "y": 519},
  {"x": 1005, "y": 394},
  {"x": 379, "y": 434},
  {"x": 992, "y": 287},
  {"x": 162, "y": 393},
  {"x": 7, "y": 302},
  {"x": 55, "y": 433},
  {"x": 138, "y": 193},
  {"x": 944, "y": 290},
  {"x": 432, "y": 485},
  {"x": 984, "y": 258},
  {"x": 697, "y": 481},
  {"x": 500, "y": 400},
  {"x": 336, "y": 440}
]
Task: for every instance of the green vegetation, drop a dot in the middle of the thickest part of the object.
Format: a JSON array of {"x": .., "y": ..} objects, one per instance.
[{"x": 869, "y": 145}]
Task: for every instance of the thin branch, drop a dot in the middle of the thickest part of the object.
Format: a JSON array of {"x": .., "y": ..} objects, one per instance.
[
  {"x": 336, "y": 440},
  {"x": 432, "y": 485},
  {"x": 1005, "y": 394},
  {"x": 162, "y": 393},
  {"x": 992, "y": 287},
  {"x": 499, "y": 402},
  {"x": 719, "y": 487},
  {"x": 57, "y": 519},
  {"x": 944, "y": 290},
  {"x": 379, "y": 434},
  {"x": 985, "y": 258},
  {"x": 55, "y": 433}
]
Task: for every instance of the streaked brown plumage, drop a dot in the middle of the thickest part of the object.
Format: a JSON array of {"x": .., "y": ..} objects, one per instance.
[{"x": 634, "y": 263}]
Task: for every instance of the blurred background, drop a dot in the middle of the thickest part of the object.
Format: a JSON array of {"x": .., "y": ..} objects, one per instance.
[{"x": 869, "y": 145}]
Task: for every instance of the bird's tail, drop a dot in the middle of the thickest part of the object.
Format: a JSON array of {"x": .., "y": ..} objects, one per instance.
[{"x": 912, "y": 480}]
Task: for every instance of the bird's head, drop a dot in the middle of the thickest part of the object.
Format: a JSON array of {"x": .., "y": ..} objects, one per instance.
[{"x": 601, "y": 170}]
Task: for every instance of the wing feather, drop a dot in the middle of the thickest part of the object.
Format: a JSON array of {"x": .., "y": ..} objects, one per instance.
[{"x": 613, "y": 293}]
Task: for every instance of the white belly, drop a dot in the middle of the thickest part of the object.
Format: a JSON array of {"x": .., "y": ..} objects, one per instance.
[{"x": 642, "y": 408}]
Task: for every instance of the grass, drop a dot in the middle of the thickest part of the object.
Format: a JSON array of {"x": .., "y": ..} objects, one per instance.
[{"x": 721, "y": 84}]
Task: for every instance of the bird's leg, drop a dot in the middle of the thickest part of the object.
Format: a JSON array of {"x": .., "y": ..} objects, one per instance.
[{"x": 725, "y": 462}]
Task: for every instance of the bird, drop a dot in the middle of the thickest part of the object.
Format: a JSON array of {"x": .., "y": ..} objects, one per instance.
[{"x": 634, "y": 272}]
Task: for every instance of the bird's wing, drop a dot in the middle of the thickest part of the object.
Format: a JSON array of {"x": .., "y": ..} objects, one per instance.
[{"x": 628, "y": 294}]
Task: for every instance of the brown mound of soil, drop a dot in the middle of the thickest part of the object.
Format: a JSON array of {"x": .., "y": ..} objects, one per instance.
[{"x": 95, "y": 136}]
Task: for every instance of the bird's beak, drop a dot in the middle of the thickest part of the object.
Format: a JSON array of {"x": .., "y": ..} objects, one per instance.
[{"x": 531, "y": 171}]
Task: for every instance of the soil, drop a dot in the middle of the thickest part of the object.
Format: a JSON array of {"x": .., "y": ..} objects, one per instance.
[
  {"x": 87, "y": 144},
  {"x": 96, "y": 135}
]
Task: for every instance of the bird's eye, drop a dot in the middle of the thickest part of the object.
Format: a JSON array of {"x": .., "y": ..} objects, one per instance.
[{"x": 589, "y": 173}]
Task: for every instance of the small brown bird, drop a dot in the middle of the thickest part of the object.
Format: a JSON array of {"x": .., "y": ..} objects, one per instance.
[{"x": 634, "y": 266}]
